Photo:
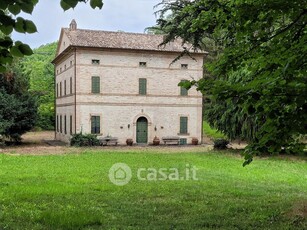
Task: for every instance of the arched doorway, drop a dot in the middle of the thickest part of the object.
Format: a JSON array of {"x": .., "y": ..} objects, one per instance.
[{"x": 141, "y": 130}]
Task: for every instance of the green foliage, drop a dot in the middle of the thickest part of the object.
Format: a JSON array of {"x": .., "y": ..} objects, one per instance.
[
  {"x": 211, "y": 132},
  {"x": 220, "y": 143},
  {"x": 40, "y": 71},
  {"x": 257, "y": 85},
  {"x": 81, "y": 140},
  {"x": 9, "y": 22},
  {"x": 18, "y": 108}
]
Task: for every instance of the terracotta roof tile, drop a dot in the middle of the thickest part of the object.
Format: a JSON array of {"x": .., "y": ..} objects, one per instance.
[{"x": 121, "y": 40}]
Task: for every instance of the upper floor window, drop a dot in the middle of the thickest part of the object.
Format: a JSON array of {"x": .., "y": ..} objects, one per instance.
[
  {"x": 184, "y": 66},
  {"x": 70, "y": 63},
  {"x": 70, "y": 85},
  {"x": 95, "y": 61},
  {"x": 64, "y": 87},
  {"x": 57, "y": 90},
  {"x": 95, "y": 84},
  {"x": 60, "y": 89},
  {"x": 142, "y": 86},
  {"x": 142, "y": 64},
  {"x": 183, "y": 90}
]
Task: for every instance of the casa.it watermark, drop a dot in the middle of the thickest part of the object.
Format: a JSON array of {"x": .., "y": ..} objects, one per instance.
[{"x": 121, "y": 174}]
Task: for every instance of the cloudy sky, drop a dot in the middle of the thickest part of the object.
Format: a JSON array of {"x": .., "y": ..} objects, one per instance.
[{"x": 124, "y": 15}]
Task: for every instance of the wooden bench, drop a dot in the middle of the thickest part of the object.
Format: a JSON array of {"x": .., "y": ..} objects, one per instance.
[
  {"x": 171, "y": 140},
  {"x": 108, "y": 140}
]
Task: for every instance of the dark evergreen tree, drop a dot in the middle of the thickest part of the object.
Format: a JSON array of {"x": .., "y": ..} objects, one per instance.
[{"x": 18, "y": 108}]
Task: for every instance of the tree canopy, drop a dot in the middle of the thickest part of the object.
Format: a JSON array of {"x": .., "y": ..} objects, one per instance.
[
  {"x": 257, "y": 85},
  {"x": 18, "y": 107},
  {"x": 9, "y": 21},
  {"x": 40, "y": 72}
]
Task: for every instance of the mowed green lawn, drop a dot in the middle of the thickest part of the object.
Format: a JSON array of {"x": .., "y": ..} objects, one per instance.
[{"x": 73, "y": 191}]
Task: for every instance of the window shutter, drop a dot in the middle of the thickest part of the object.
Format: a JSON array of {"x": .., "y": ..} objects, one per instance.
[
  {"x": 95, "y": 124},
  {"x": 183, "y": 125},
  {"x": 70, "y": 85},
  {"x": 61, "y": 130},
  {"x": 57, "y": 123},
  {"x": 142, "y": 86},
  {"x": 65, "y": 125},
  {"x": 95, "y": 84},
  {"x": 70, "y": 124}
]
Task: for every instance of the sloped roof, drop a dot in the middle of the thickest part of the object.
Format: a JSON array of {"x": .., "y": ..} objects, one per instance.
[{"x": 121, "y": 40}]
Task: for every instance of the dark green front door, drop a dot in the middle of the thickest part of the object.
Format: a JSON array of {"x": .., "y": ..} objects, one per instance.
[{"x": 141, "y": 130}]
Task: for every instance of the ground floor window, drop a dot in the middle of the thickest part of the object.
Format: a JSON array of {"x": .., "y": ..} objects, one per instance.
[
  {"x": 183, "y": 125},
  {"x": 61, "y": 124},
  {"x": 57, "y": 123},
  {"x": 70, "y": 124},
  {"x": 65, "y": 125},
  {"x": 95, "y": 124}
]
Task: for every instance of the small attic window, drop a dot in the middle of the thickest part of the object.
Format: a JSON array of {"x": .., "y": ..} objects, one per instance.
[
  {"x": 142, "y": 64},
  {"x": 70, "y": 63},
  {"x": 95, "y": 61},
  {"x": 64, "y": 44},
  {"x": 184, "y": 66}
]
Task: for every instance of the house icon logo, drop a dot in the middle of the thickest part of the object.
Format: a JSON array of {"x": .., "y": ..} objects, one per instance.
[{"x": 120, "y": 174}]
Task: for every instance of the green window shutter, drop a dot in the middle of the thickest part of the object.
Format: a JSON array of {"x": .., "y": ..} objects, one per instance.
[
  {"x": 65, "y": 125},
  {"x": 95, "y": 124},
  {"x": 183, "y": 125},
  {"x": 70, "y": 124},
  {"x": 183, "y": 91},
  {"x": 57, "y": 123},
  {"x": 70, "y": 91},
  {"x": 65, "y": 87},
  {"x": 95, "y": 84},
  {"x": 61, "y": 130},
  {"x": 142, "y": 86}
]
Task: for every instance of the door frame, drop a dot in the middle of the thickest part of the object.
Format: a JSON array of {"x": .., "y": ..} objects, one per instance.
[{"x": 136, "y": 130}]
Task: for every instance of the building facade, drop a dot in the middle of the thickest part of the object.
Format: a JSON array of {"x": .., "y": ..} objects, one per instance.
[{"x": 124, "y": 85}]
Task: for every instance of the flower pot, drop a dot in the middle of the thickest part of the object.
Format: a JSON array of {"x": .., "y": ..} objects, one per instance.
[
  {"x": 156, "y": 141},
  {"x": 194, "y": 141},
  {"x": 129, "y": 141}
]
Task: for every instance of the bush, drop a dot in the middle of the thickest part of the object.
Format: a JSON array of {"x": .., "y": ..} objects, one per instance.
[
  {"x": 84, "y": 140},
  {"x": 220, "y": 143}
]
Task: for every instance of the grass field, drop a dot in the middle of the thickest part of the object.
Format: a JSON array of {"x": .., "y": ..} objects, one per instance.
[{"x": 73, "y": 191}]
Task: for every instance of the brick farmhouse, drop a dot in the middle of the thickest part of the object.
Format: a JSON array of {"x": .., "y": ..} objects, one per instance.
[{"x": 124, "y": 85}]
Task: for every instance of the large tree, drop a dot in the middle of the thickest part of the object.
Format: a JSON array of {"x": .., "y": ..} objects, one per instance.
[
  {"x": 18, "y": 107},
  {"x": 258, "y": 83},
  {"x": 9, "y": 21}
]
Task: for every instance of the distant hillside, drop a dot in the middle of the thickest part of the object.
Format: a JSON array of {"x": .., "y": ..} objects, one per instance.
[{"x": 40, "y": 71}]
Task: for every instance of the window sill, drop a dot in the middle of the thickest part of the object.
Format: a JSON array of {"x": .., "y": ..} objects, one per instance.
[{"x": 183, "y": 134}]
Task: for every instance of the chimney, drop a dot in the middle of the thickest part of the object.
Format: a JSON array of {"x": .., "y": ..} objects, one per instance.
[{"x": 73, "y": 25}]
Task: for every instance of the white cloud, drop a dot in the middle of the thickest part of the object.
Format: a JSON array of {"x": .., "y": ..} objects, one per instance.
[{"x": 49, "y": 17}]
